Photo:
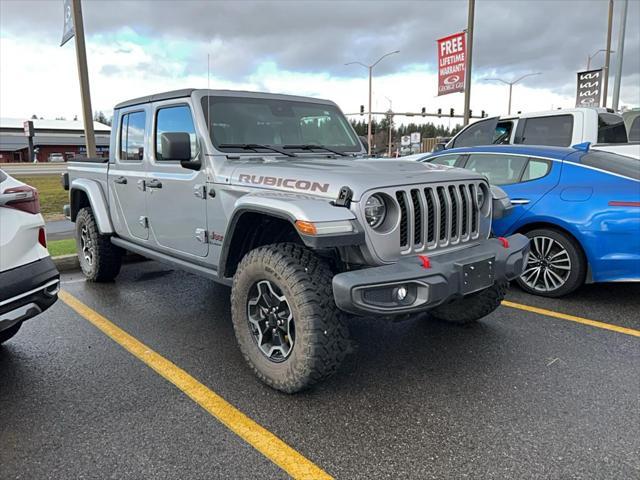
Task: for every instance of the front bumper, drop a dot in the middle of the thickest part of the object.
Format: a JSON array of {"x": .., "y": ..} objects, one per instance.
[
  {"x": 450, "y": 275},
  {"x": 27, "y": 291}
]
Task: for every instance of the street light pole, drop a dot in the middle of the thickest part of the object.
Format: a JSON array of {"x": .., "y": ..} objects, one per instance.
[
  {"x": 469, "y": 57},
  {"x": 511, "y": 84},
  {"x": 590, "y": 57},
  {"x": 370, "y": 68},
  {"x": 618, "y": 78},
  {"x": 607, "y": 58},
  {"x": 510, "y": 91}
]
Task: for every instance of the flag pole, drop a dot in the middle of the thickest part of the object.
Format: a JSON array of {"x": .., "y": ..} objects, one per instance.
[{"x": 83, "y": 75}]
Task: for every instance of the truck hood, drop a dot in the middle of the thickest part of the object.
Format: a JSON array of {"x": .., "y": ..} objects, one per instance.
[{"x": 324, "y": 176}]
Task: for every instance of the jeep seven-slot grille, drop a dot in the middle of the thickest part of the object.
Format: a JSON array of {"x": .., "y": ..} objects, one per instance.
[
  {"x": 438, "y": 216},
  {"x": 404, "y": 239}
]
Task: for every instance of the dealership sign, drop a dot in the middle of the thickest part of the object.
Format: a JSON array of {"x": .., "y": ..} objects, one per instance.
[
  {"x": 68, "y": 30},
  {"x": 451, "y": 63},
  {"x": 28, "y": 128},
  {"x": 589, "y": 88}
]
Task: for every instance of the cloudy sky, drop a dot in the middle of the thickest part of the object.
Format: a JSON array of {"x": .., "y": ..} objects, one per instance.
[{"x": 300, "y": 47}]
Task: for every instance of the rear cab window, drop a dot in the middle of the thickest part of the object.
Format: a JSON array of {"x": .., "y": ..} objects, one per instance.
[
  {"x": 132, "y": 136},
  {"x": 552, "y": 130},
  {"x": 612, "y": 163},
  {"x": 611, "y": 129}
]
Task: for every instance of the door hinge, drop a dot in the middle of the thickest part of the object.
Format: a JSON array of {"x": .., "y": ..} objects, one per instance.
[
  {"x": 143, "y": 221},
  {"x": 200, "y": 191},
  {"x": 201, "y": 235}
]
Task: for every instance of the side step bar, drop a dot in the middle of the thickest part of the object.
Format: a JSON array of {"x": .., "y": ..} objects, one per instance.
[{"x": 210, "y": 273}]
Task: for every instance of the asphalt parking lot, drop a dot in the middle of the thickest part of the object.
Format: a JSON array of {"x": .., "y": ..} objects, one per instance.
[{"x": 520, "y": 395}]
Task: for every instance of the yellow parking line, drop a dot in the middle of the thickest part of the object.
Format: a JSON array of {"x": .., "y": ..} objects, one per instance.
[
  {"x": 572, "y": 318},
  {"x": 288, "y": 459}
]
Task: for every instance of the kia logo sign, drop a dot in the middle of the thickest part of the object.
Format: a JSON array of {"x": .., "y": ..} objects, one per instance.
[
  {"x": 589, "y": 89},
  {"x": 451, "y": 80}
]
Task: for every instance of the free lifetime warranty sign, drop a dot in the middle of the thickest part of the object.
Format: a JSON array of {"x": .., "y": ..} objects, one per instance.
[{"x": 452, "y": 52}]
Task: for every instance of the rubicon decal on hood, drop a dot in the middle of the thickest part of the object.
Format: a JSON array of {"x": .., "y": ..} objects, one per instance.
[{"x": 284, "y": 182}]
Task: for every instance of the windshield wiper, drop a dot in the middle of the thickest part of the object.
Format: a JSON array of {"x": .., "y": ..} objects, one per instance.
[
  {"x": 255, "y": 147},
  {"x": 309, "y": 147}
]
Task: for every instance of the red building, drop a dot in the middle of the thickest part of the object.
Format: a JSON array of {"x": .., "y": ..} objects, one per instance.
[{"x": 59, "y": 137}]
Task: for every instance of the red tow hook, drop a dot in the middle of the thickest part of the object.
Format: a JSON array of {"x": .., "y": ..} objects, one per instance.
[
  {"x": 504, "y": 242},
  {"x": 426, "y": 263}
]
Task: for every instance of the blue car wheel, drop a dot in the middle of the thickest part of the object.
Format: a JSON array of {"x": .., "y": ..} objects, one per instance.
[{"x": 556, "y": 265}]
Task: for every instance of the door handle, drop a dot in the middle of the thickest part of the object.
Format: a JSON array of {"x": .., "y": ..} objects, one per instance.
[
  {"x": 121, "y": 180},
  {"x": 520, "y": 201},
  {"x": 155, "y": 183}
]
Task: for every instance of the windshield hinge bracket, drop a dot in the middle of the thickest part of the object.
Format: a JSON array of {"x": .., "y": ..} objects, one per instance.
[{"x": 344, "y": 198}]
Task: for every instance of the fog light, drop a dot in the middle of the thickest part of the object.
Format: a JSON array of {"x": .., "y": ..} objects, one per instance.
[{"x": 401, "y": 293}]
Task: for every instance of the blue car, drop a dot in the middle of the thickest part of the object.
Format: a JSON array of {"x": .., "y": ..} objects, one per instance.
[{"x": 579, "y": 207}]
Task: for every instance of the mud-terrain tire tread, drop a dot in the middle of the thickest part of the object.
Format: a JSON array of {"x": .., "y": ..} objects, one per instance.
[
  {"x": 578, "y": 263},
  {"x": 9, "y": 332},
  {"x": 473, "y": 307},
  {"x": 107, "y": 257},
  {"x": 324, "y": 342}
]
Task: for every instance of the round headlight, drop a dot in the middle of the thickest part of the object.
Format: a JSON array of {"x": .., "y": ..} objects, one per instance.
[
  {"x": 481, "y": 196},
  {"x": 375, "y": 211}
]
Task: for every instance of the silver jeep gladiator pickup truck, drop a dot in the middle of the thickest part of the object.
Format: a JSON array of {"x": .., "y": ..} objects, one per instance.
[{"x": 272, "y": 195}]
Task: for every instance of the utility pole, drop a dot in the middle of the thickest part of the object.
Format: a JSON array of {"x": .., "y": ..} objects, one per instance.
[
  {"x": 81, "y": 57},
  {"x": 370, "y": 68},
  {"x": 618, "y": 79},
  {"x": 467, "y": 71},
  {"x": 607, "y": 57}
]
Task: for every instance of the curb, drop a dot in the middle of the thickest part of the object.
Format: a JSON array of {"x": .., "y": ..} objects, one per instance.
[
  {"x": 67, "y": 263},
  {"x": 70, "y": 263}
]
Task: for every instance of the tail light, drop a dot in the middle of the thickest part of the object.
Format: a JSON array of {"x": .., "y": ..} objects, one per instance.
[
  {"x": 22, "y": 198},
  {"x": 42, "y": 237},
  {"x": 614, "y": 203}
]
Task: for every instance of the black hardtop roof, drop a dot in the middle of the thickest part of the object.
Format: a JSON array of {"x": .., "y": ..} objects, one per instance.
[{"x": 186, "y": 92}]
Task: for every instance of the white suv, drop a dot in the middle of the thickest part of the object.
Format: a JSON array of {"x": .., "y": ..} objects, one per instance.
[{"x": 29, "y": 280}]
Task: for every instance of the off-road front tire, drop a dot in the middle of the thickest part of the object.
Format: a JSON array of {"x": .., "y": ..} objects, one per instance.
[
  {"x": 472, "y": 307},
  {"x": 99, "y": 259},
  {"x": 9, "y": 332},
  {"x": 284, "y": 281}
]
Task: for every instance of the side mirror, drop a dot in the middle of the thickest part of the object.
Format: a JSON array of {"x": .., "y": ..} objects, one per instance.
[
  {"x": 177, "y": 146},
  {"x": 438, "y": 147},
  {"x": 502, "y": 206}
]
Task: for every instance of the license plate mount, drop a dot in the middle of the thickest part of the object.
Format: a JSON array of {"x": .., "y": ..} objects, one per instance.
[{"x": 477, "y": 275}]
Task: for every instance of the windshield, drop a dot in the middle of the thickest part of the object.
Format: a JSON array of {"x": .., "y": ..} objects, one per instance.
[{"x": 297, "y": 126}]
